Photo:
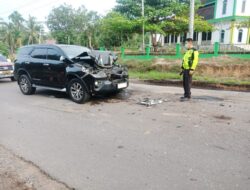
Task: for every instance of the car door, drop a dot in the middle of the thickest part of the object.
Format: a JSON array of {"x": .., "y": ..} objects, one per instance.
[
  {"x": 54, "y": 70},
  {"x": 35, "y": 64}
]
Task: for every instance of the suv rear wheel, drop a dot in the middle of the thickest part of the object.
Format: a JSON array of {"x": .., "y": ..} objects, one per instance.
[
  {"x": 25, "y": 85},
  {"x": 77, "y": 91}
]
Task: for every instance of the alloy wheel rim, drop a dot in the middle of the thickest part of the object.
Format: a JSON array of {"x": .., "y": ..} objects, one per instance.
[
  {"x": 24, "y": 85},
  {"x": 76, "y": 91}
]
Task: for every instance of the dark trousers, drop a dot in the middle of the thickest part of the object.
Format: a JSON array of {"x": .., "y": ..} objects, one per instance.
[{"x": 187, "y": 82}]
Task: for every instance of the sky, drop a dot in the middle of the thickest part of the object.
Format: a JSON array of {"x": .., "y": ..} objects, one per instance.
[{"x": 41, "y": 8}]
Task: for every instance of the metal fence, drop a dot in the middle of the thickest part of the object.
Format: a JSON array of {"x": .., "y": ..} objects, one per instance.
[{"x": 205, "y": 50}]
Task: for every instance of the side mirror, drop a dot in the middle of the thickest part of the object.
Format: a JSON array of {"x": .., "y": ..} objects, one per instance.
[{"x": 66, "y": 60}]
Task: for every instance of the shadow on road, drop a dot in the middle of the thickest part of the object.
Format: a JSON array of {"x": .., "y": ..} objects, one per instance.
[{"x": 97, "y": 99}]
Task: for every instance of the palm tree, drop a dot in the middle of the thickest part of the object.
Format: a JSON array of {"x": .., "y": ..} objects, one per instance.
[
  {"x": 17, "y": 21},
  {"x": 7, "y": 35},
  {"x": 33, "y": 29}
]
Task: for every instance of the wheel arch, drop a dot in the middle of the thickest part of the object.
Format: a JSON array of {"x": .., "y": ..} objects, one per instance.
[
  {"x": 21, "y": 72},
  {"x": 73, "y": 76}
]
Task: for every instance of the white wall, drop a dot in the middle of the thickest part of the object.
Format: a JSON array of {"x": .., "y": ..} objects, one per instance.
[
  {"x": 239, "y": 8},
  {"x": 216, "y": 34},
  {"x": 229, "y": 11}
]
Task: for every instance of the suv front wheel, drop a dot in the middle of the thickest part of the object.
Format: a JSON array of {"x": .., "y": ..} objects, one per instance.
[
  {"x": 25, "y": 85},
  {"x": 77, "y": 91}
]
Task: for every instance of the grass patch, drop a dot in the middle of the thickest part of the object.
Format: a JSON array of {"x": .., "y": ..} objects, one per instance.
[
  {"x": 221, "y": 70},
  {"x": 156, "y": 75}
]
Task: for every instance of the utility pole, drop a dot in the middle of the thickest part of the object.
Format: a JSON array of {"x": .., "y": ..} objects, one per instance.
[
  {"x": 143, "y": 26},
  {"x": 191, "y": 19}
]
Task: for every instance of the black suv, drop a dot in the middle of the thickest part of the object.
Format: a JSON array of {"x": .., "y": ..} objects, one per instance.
[{"x": 77, "y": 70}]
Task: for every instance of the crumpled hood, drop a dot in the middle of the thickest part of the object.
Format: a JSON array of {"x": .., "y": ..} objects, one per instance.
[{"x": 102, "y": 58}]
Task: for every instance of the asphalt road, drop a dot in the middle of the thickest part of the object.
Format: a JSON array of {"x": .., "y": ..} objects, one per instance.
[{"x": 116, "y": 144}]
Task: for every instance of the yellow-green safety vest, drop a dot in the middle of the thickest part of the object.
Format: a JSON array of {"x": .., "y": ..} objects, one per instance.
[{"x": 190, "y": 59}]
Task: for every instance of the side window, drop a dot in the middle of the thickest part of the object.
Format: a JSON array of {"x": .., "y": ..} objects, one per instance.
[
  {"x": 24, "y": 51},
  {"x": 39, "y": 53},
  {"x": 53, "y": 55}
]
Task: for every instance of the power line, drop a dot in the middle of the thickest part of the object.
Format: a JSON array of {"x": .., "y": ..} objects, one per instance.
[
  {"x": 30, "y": 6},
  {"x": 18, "y": 7}
]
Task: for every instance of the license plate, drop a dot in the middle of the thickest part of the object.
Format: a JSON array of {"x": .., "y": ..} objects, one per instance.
[{"x": 122, "y": 85}]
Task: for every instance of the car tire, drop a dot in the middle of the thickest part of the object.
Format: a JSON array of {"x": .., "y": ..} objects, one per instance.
[
  {"x": 12, "y": 79},
  {"x": 77, "y": 91},
  {"x": 25, "y": 85}
]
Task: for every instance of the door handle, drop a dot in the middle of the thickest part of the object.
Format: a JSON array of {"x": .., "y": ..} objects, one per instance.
[
  {"x": 27, "y": 62},
  {"x": 45, "y": 64}
]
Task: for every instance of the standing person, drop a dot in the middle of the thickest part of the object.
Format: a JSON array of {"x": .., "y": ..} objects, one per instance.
[{"x": 189, "y": 63}]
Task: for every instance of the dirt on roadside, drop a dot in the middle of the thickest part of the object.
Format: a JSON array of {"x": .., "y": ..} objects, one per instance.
[
  {"x": 8, "y": 182},
  {"x": 19, "y": 174}
]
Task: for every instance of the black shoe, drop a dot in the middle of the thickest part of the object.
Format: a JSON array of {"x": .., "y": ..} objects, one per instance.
[{"x": 184, "y": 98}]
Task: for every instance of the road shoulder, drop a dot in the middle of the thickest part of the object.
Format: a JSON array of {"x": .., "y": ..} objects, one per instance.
[{"x": 19, "y": 174}]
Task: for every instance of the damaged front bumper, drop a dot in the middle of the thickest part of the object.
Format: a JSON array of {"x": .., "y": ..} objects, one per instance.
[
  {"x": 102, "y": 86},
  {"x": 110, "y": 81}
]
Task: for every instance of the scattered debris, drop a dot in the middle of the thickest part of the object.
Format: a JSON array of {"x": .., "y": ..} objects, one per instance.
[
  {"x": 193, "y": 179},
  {"x": 222, "y": 117},
  {"x": 150, "y": 102}
]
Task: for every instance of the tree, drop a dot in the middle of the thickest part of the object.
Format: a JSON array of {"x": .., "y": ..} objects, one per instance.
[
  {"x": 73, "y": 26},
  {"x": 156, "y": 12},
  {"x": 60, "y": 22},
  {"x": 17, "y": 21},
  {"x": 7, "y": 36},
  {"x": 33, "y": 30},
  {"x": 115, "y": 29},
  {"x": 86, "y": 24},
  {"x": 16, "y": 31}
]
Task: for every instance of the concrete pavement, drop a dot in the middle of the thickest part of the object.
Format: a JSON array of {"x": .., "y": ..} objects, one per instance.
[{"x": 115, "y": 143}]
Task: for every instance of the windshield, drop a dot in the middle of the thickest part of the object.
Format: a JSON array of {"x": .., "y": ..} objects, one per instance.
[
  {"x": 73, "y": 51},
  {"x": 3, "y": 59}
]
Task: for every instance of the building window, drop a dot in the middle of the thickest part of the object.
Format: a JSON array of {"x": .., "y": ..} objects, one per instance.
[
  {"x": 222, "y": 36},
  {"x": 166, "y": 39},
  {"x": 209, "y": 36},
  {"x": 195, "y": 36},
  {"x": 172, "y": 38},
  {"x": 206, "y": 36},
  {"x": 243, "y": 6},
  {"x": 183, "y": 37},
  {"x": 175, "y": 38},
  {"x": 240, "y": 34},
  {"x": 224, "y": 7}
]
